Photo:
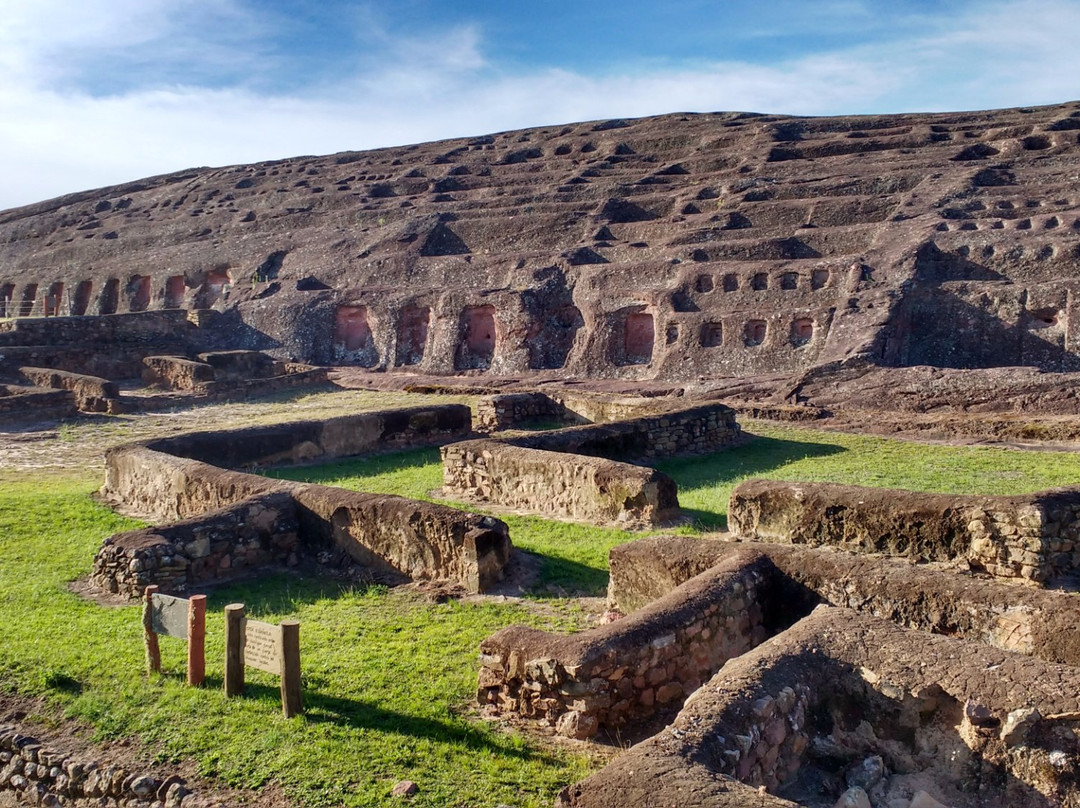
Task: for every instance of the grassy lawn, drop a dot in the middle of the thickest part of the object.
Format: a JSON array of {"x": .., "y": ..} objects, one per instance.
[
  {"x": 388, "y": 676},
  {"x": 798, "y": 453}
]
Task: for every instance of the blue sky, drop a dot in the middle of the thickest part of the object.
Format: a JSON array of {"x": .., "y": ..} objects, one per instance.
[{"x": 94, "y": 92}]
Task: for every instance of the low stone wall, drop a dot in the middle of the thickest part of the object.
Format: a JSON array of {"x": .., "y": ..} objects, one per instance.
[
  {"x": 92, "y": 393},
  {"x": 418, "y": 540},
  {"x": 242, "y": 365},
  {"x": 1000, "y": 614},
  {"x": 973, "y": 723},
  {"x": 628, "y": 669},
  {"x": 506, "y": 411},
  {"x": 38, "y": 774},
  {"x": 561, "y": 472},
  {"x": 216, "y": 369},
  {"x": 121, "y": 361},
  {"x": 307, "y": 441},
  {"x": 167, "y": 480},
  {"x": 1008, "y": 537},
  {"x": 144, "y": 327},
  {"x": 697, "y": 430},
  {"x": 175, "y": 372},
  {"x": 222, "y": 544},
  {"x": 21, "y": 405},
  {"x": 510, "y": 410},
  {"x": 590, "y": 489}
]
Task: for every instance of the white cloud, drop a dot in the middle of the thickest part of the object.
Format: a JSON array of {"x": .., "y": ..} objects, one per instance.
[{"x": 55, "y": 138}]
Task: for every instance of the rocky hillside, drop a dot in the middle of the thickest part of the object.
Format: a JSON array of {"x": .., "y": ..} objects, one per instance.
[{"x": 679, "y": 247}]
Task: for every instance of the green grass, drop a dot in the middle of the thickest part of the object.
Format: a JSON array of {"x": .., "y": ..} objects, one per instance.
[
  {"x": 388, "y": 677},
  {"x": 572, "y": 557},
  {"x": 802, "y": 454}
]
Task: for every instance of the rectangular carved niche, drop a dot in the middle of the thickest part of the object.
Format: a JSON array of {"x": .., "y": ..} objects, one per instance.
[
  {"x": 754, "y": 332},
  {"x": 81, "y": 301},
  {"x": 802, "y": 331},
  {"x": 174, "y": 292},
  {"x": 54, "y": 299},
  {"x": 412, "y": 335},
  {"x": 110, "y": 296},
  {"x": 29, "y": 300},
  {"x": 215, "y": 286},
  {"x": 477, "y": 332},
  {"x": 139, "y": 292},
  {"x": 7, "y": 294},
  {"x": 353, "y": 342},
  {"x": 712, "y": 335},
  {"x": 638, "y": 338}
]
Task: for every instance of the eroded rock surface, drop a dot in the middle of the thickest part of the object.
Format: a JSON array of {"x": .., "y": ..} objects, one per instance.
[{"x": 677, "y": 247}]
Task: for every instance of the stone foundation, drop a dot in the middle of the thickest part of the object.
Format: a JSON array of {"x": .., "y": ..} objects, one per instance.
[
  {"x": 19, "y": 405},
  {"x": 38, "y": 774},
  {"x": 1032, "y": 538},
  {"x": 631, "y": 668},
  {"x": 168, "y": 480},
  {"x": 574, "y": 473},
  {"x": 695, "y": 430},
  {"x": 175, "y": 372},
  {"x": 589, "y": 489},
  {"x": 840, "y": 692},
  {"x": 240, "y": 365},
  {"x": 92, "y": 393},
  {"x": 998, "y": 613},
  {"x": 323, "y": 440},
  {"x": 509, "y": 410},
  {"x": 253, "y": 533}
]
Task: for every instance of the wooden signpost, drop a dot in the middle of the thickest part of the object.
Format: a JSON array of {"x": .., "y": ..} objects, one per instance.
[
  {"x": 270, "y": 648},
  {"x": 183, "y": 618}
]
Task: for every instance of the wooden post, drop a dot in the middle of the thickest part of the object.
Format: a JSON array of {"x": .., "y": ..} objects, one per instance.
[
  {"x": 234, "y": 649},
  {"x": 290, "y": 669},
  {"x": 153, "y": 652},
  {"x": 196, "y": 654}
]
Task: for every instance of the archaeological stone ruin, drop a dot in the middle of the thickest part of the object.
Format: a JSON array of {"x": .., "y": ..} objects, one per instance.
[{"x": 615, "y": 294}]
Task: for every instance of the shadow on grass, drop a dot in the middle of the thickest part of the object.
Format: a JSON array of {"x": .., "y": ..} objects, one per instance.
[
  {"x": 727, "y": 468},
  {"x": 566, "y": 578},
  {"x": 277, "y": 592},
  {"x": 325, "y": 473},
  {"x": 365, "y": 715},
  {"x": 702, "y": 520}
]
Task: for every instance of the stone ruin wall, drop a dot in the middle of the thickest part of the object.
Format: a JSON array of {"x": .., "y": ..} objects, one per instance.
[
  {"x": 627, "y": 670},
  {"x": 504, "y": 411},
  {"x": 996, "y": 612},
  {"x": 37, "y": 773},
  {"x": 572, "y": 486},
  {"x": 718, "y": 600},
  {"x": 16, "y": 401},
  {"x": 414, "y": 539},
  {"x": 165, "y": 349},
  {"x": 1029, "y": 538},
  {"x": 985, "y": 726},
  {"x": 576, "y": 472},
  {"x": 253, "y": 533},
  {"x": 90, "y": 393}
]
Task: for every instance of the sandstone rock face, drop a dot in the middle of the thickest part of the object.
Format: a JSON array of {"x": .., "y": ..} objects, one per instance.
[{"x": 669, "y": 248}]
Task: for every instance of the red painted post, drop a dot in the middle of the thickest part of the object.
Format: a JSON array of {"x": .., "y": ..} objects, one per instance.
[
  {"x": 196, "y": 659},
  {"x": 153, "y": 652}
]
